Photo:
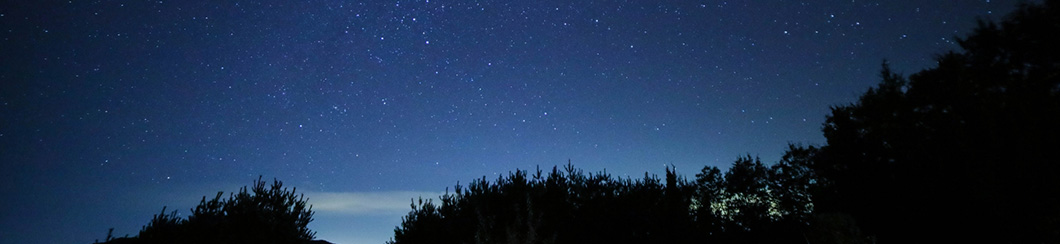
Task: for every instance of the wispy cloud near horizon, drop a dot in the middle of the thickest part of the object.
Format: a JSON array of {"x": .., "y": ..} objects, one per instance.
[{"x": 366, "y": 203}]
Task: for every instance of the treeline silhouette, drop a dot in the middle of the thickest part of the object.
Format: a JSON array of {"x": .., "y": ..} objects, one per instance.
[
  {"x": 569, "y": 206},
  {"x": 261, "y": 215},
  {"x": 963, "y": 152}
]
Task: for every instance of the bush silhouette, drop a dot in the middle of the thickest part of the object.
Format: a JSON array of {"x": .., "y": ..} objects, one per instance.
[{"x": 259, "y": 214}]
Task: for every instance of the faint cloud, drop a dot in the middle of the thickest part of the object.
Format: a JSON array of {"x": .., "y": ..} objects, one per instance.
[{"x": 363, "y": 203}]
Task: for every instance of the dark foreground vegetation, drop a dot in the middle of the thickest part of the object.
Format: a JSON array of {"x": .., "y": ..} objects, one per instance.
[
  {"x": 966, "y": 152},
  {"x": 261, "y": 215}
]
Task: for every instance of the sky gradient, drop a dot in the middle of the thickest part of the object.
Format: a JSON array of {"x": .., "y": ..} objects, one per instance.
[{"x": 110, "y": 110}]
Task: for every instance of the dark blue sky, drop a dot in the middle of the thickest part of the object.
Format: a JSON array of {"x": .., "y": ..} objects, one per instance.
[{"x": 110, "y": 110}]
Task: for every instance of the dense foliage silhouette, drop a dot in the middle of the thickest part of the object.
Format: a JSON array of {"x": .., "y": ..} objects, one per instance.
[
  {"x": 962, "y": 152},
  {"x": 965, "y": 147},
  {"x": 261, "y": 215},
  {"x": 568, "y": 206}
]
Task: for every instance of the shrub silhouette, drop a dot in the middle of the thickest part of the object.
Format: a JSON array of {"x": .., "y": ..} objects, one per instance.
[{"x": 259, "y": 214}]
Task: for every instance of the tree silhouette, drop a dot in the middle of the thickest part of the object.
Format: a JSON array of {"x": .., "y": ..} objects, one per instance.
[
  {"x": 709, "y": 185},
  {"x": 792, "y": 183},
  {"x": 258, "y": 215},
  {"x": 965, "y": 147}
]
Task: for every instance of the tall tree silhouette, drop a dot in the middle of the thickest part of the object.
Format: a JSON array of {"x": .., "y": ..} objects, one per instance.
[
  {"x": 708, "y": 191},
  {"x": 965, "y": 147},
  {"x": 746, "y": 201},
  {"x": 792, "y": 183}
]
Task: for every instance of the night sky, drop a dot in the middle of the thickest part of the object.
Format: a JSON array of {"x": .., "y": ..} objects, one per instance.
[{"x": 110, "y": 110}]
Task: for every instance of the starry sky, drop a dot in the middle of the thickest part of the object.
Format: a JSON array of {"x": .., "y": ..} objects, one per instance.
[{"x": 110, "y": 110}]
